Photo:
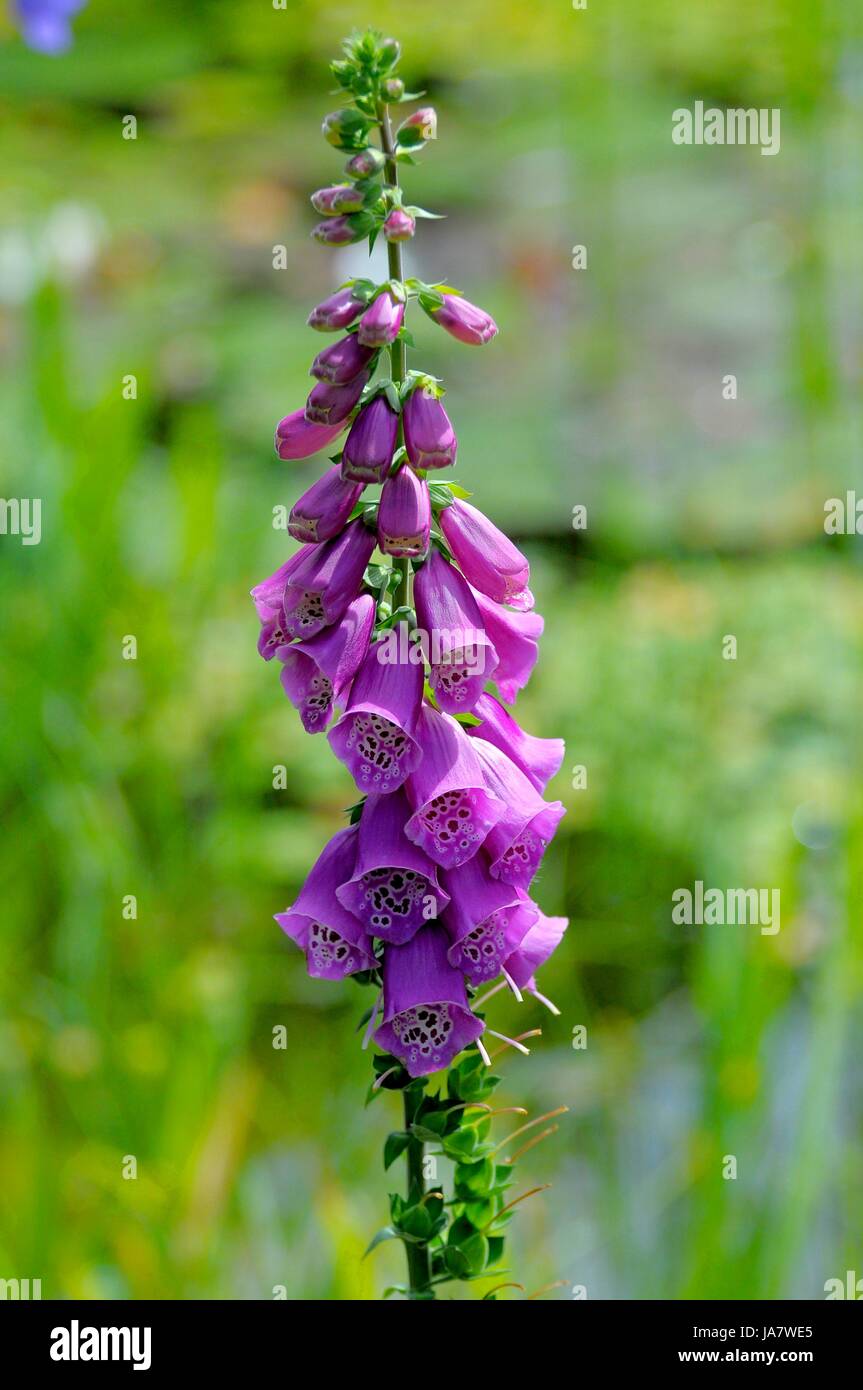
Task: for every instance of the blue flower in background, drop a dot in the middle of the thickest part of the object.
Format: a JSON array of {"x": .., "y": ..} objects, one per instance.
[{"x": 45, "y": 24}]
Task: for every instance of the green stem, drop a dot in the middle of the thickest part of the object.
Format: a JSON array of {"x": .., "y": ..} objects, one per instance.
[
  {"x": 398, "y": 354},
  {"x": 419, "y": 1261},
  {"x": 418, "y": 1256}
]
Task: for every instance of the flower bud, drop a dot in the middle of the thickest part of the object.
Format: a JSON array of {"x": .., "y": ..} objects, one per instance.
[
  {"x": 463, "y": 320},
  {"x": 323, "y": 510},
  {"x": 368, "y": 162},
  {"x": 342, "y": 231},
  {"x": 389, "y": 52},
  {"x": 347, "y": 129},
  {"x": 418, "y": 128},
  {"x": 341, "y": 362},
  {"x": 392, "y": 89},
  {"x": 429, "y": 437},
  {"x": 370, "y": 445},
  {"x": 382, "y": 320},
  {"x": 337, "y": 312},
  {"x": 328, "y": 404},
  {"x": 341, "y": 197},
  {"x": 399, "y": 225},
  {"x": 298, "y": 438},
  {"x": 404, "y": 515}
]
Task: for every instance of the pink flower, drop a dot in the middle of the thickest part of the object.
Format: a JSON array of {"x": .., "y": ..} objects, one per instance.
[
  {"x": 399, "y": 225},
  {"x": 299, "y": 438},
  {"x": 427, "y": 1019},
  {"x": 339, "y": 311},
  {"x": 429, "y": 437},
  {"x": 464, "y": 320},
  {"x": 488, "y": 558},
  {"x": 459, "y": 652},
  {"x": 404, "y": 515},
  {"x": 322, "y": 511},
  {"x": 380, "y": 324},
  {"x": 334, "y": 942}
]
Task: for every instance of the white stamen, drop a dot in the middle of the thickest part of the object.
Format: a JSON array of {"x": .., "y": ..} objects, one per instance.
[
  {"x": 511, "y": 1042},
  {"x": 552, "y": 1008},
  {"x": 513, "y": 986},
  {"x": 482, "y": 1052}
]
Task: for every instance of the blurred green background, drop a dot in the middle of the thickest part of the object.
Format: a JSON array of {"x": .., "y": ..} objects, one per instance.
[{"x": 153, "y": 1037}]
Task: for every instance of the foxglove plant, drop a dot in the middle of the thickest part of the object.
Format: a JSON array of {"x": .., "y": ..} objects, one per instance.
[{"x": 426, "y": 893}]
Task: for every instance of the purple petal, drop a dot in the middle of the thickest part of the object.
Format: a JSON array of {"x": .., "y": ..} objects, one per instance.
[
  {"x": 334, "y": 941},
  {"x": 539, "y": 758},
  {"x": 315, "y": 674},
  {"x": 487, "y": 557},
  {"x": 375, "y": 736},
  {"x": 459, "y": 652},
  {"x": 324, "y": 508},
  {"x": 515, "y": 637},
  {"x": 327, "y": 578},
  {"x": 297, "y": 438},
  {"x": 453, "y": 809},
  {"x": 534, "y": 950},
  {"x": 518, "y": 841},
  {"x": 394, "y": 888},
  {"x": 486, "y": 920},
  {"x": 427, "y": 1020}
]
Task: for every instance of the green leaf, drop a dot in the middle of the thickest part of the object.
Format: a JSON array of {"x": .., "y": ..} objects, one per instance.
[
  {"x": 385, "y": 1233},
  {"x": 423, "y": 212},
  {"x": 496, "y": 1245},
  {"x": 395, "y": 1145}
]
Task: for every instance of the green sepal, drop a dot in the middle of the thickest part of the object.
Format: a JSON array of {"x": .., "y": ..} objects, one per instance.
[
  {"x": 468, "y": 721},
  {"x": 428, "y": 301},
  {"x": 435, "y": 1122},
  {"x": 471, "y": 1245},
  {"x": 474, "y": 1179},
  {"x": 465, "y": 1145},
  {"x": 496, "y": 1246},
  {"x": 395, "y": 1145},
  {"x": 410, "y": 137},
  {"x": 481, "y": 1213}
]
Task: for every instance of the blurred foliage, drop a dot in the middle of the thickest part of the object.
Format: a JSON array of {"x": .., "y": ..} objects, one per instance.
[{"x": 153, "y": 1037}]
